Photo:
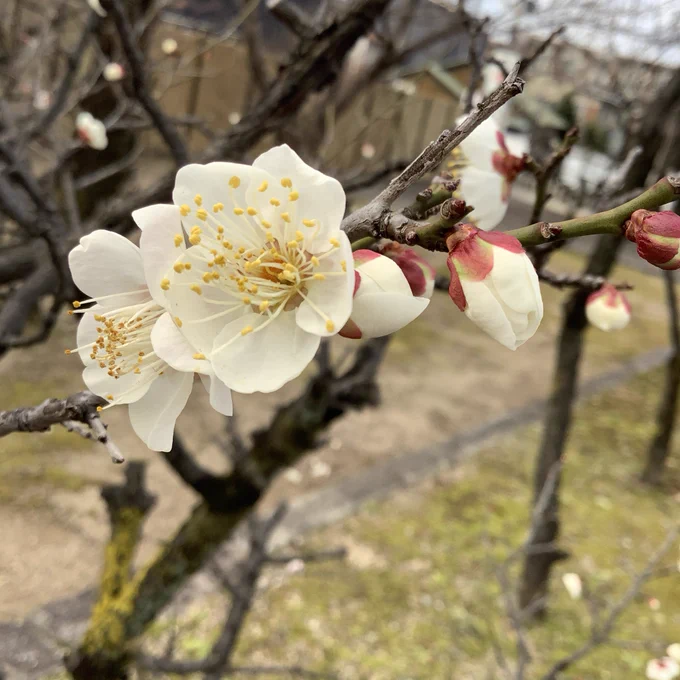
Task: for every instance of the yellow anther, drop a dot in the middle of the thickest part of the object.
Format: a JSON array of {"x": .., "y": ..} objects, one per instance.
[
  {"x": 99, "y": 408},
  {"x": 275, "y": 201},
  {"x": 109, "y": 397},
  {"x": 319, "y": 277},
  {"x": 178, "y": 321},
  {"x": 253, "y": 288},
  {"x": 293, "y": 196},
  {"x": 218, "y": 206},
  {"x": 207, "y": 277},
  {"x": 289, "y": 267},
  {"x": 199, "y": 355},
  {"x": 184, "y": 210},
  {"x": 70, "y": 312},
  {"x": 220, "y": 229},
  {"x": 263, "y": 186},
  {"x": 195, "y": 229},
  {"x": 334, "y": 242},
  {"x": 315, "y": 260},
  {"x": 266, "y": 224},
  {"x": 165, "y": 284},
  {"x": 196, "y": 288},
  {"x": 299, "y": 236},
  {"x": 251, "y": 211},
  {"x": 178, "y": 267},
  {"x": 245, "y": 300},
  {"x": 219, "y": 259},
  {"x": 309, "y": 223},
  {"x": 238, "y": 211},
  {"x": 198, "y": 199},
  {"x": 76, "y": 304},
  {"x": 137, "y": 371},
  {"x": 292, "y": 244},
  {"x": 202, "y": 214},
  {"x": 246, "y": 330},
  {"x": 330, "y": 326},
  {"x": 343, "y": 264},
  {"x": 241, "y": 250},
  {"x": 194, "y": 239},
  {"x": 227, "y": 245},
  {"x": 285, "y": 217},
  {"x": 215, "y": 276},
  {"x": 67, "y": 351},
  {"x": 269, "y": 236},
  {"x": 98, "y": 317},
  {"x": 286, "y": 182},
  {"x": 235, "y": 182},
  {"x": 178, "y": 240},
  {"x": 187, "y": 265}
]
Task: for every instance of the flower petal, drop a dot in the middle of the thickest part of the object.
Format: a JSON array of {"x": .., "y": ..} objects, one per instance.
[
  {"x": 484, "y": 191},
  {"x": 486, "y": 311},
  {"x": 332, "y": 296},
  {"x": 159, "y": 224},
  {"x": 220, "y": 394},
  {"x": 153, "y": 417},
  {"x": 127, "y": 389},
  {"x": 378, "y": 314},
  {"x": 106, "y": 263},
  {"x": 263, "y": 360},
  {"x": 170, "y": 345},
  {"x": 480, "y": 145},
  {"x": 386, "y": 274}
]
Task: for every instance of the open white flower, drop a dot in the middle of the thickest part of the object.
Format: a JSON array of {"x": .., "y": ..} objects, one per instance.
[
  {"x": 486, "y": 170},
  {"x": 115, "y": 339},
  {"x": 113, "y": 72},
  {"x": 269, "y": 272},
  {"x": 663, "y": 669},
  {"x": 383, "y": 299},
  {"x": 674, "y": 651},
  {"x": 169, "y": 46},
  {"x": 91, "y": 130},
  {"x": 573, "y": 585}
]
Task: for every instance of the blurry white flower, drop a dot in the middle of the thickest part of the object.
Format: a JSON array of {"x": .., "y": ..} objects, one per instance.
[
  {"x": 674, "y": 651},
  {"x": 91, "y": 130},
  {"x": 663, "y": 669},
  {"x": 41, "y": 100},
  {"x": 113, "y": 72},
  {"x": 169, "y": 46},
  {"x": 269, "y": 271},
  {"x": 403, "y": 86},
  {"x": 97, "y": 7},
  {"x": 573, "y": 585},
  {"x": 234, "y": 118},
  {"x": 654, "y": 604},
  {"x": 608, "y": 309},
  {"x": 367, "y": 150},
  {"x": 295, "y": 566},
  {"x": 320, "y": 469},
  {"x": 293, "y": 476}
]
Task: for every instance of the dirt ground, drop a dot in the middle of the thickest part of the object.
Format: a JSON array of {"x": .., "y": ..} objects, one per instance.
[{"x": 54, "y": 525}]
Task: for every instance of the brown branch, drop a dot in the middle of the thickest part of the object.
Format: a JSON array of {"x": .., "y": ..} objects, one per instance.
[
  {"x": 294, "y": 18},
  {"x": 526, "y": 62},
  {"x": 584, "y": 281}
]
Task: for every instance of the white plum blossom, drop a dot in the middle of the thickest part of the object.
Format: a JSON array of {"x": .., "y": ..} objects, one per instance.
[
  {"x": 96, "y": 6},
  {"x": 486, "y": 170},
  {"x": 383, "y": 300},
  {"x": 169, "y": 46},
  {"x": 91, "y": 131},
  {"x": 268, "y": 272},
  {"x": 116, "y": 334},
  {"x": 234, "y": 118},
  {"x": 495, "y": 284},
  {"x": 665, "y": 668},
  {"x": 573, "y": 585},
  {"x": 608, "y": 309},
  {"x": 367, "y": 150},
  {"x": 674, "y": 651},
  {"x": 113, "y": 72}
]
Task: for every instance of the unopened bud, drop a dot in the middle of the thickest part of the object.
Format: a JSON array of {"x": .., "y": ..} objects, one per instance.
[
  {"x": 419, "y": 273},
  {"x": 657, "y": 236},
  {"x": 608, "y": 309},
  {"x": 453, "y": 209}
]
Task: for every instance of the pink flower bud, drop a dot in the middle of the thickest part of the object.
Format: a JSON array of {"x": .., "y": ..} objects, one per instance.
[
  {"x": 419, "y": 273},
  {"x": 495, "y": 284},
  {"x": 383, "y": 302},
  {"x": 608, "y": 309},
  {"x": 657, "y": 235}
]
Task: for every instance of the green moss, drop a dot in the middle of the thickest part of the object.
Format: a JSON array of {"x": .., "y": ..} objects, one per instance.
[{"x": 426, "y": 602}]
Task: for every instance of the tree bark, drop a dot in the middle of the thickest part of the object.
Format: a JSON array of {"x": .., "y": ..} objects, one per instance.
[
  {"x": 661, "y": 445},
  {"x": 543, "y": 552}
]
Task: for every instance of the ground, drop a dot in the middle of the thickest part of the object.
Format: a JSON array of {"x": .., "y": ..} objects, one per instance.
[
  {"x": 50, "y": 509},
  {"x": 418, "y": 595}
]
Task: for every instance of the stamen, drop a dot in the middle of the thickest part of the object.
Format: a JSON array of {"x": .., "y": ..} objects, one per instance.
[
  {"x": 246, "y": 330},
  {"x": 235, "y": 182},
  {"x": 293, "y": 196},
  {"x": 178, "y": 240},
  {"x": 198, "y": 199},
  {"x": 251, "y": 211},
  {"x": 199, "y": 355},
  {"x": 238, "y": 211},
  {"x": 165, "y": 284},
  {"x": 309, "y": 223},
  {"x": 263, "y": 186},
  {"x": 184, "y": 210},
  {"x": 218, "y": 207},
  {"x": 286, "y": 182},
  {"x": 196, "y": 288}
]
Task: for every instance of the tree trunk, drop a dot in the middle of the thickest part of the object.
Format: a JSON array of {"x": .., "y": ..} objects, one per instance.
[
  {"x": 661, "y": 445},
  {"x": 542, "y": 551}
]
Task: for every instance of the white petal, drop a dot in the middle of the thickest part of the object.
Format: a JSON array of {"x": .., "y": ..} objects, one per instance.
[
  {"x": 321, "y": 197},
  {"x": 511, "y": 279},
  {"x": 479, "y": 146},
  {"x": 170, "y": 345},
  {"x": 126, "y": 390},
  {"x": 265, "y": 360},
  {"x": 159, "y": 224},
  {"x": 484, "y": 191},
  {"x": 333, "y": 296},
  {"x": 386, "y": 274},
  {"x": 106, "y": 263},
  {"x": 486, "y": 312},
  {"x": 378, "y": 314},
  {"x": 87, "y": 334},
  {"x": 220, "y": 394},
  {"x": 153, "y": 417}
]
